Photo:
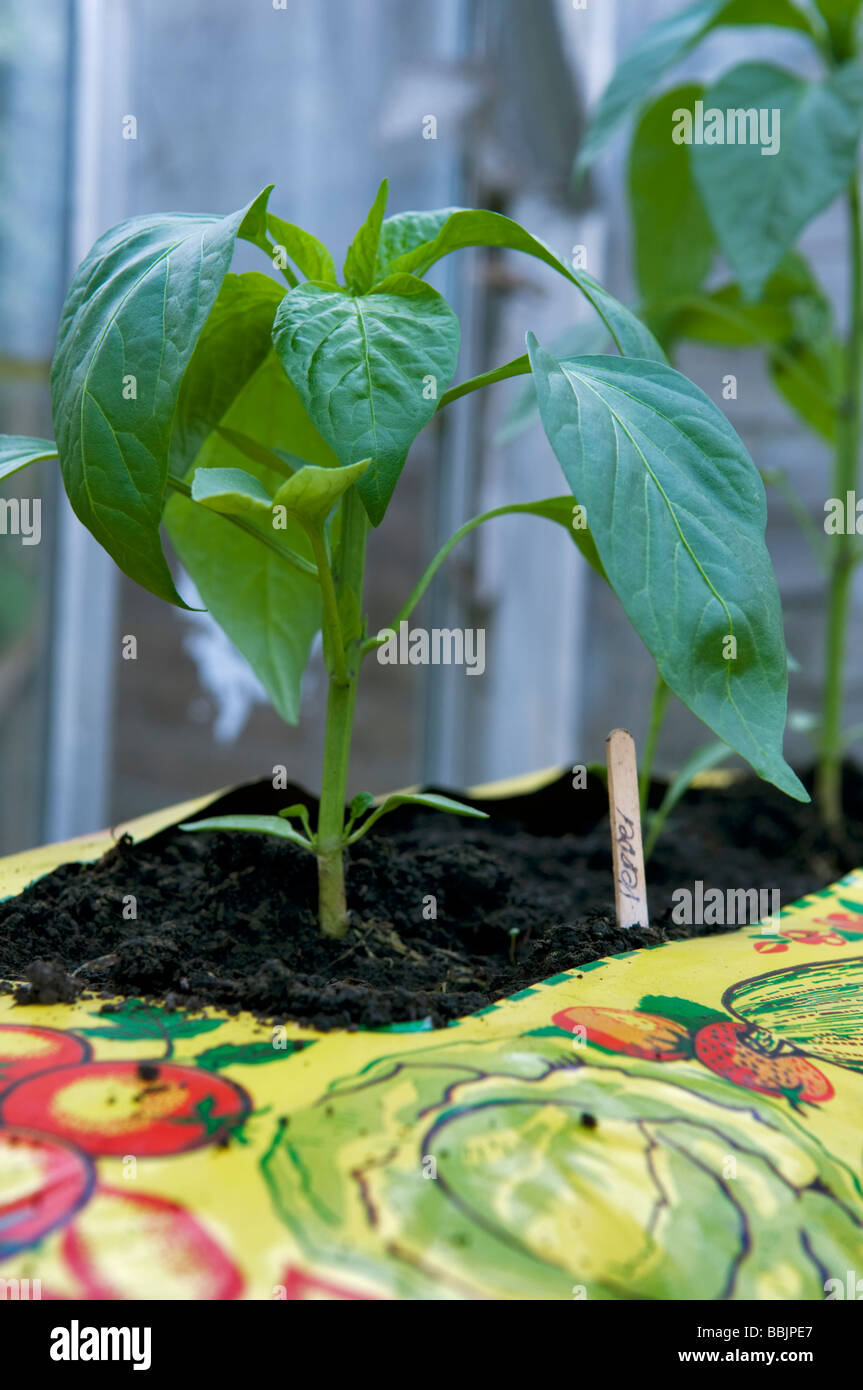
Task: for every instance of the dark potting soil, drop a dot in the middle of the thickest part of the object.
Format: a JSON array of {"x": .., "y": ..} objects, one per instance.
[{"x": 229, "y": 920}]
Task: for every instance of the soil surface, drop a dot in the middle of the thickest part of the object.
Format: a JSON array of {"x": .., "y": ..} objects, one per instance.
[{"x": 229, "y": 920}]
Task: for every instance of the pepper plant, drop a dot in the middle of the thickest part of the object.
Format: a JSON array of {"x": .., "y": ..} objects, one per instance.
[
  {"x": 265, "y": 425},
  {"x": 744, "y": 173}
]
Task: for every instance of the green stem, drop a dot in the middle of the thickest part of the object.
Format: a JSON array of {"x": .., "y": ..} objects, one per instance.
[
  {"x": 520, "y": 366},
  {"x": 419, "y": 589},
  {"x": 828, "y": 782},
  {"x": 349, "y": 567},
  {"x": 291, "y": 557},
  {"x": 334, "y": 642},
  {"x": 658, "y": 707}
]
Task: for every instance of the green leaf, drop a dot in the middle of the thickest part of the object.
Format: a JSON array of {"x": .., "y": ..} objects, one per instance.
[
  {"x": 299, "y": 812},
  {"x": 792, "y": 306},
  {"x": 841, "y": 17},
  {"x": 792, "y": 319},
  {"x": 311, "y": 493},
  {"x": 813, "y": 385},
  {"x": 686, "y": 1011},
  {"x": 363, "y": 250},
  {"x": 309, "y": 255},
  {"x": 674, "y": 244},
  {"x": 17, "y": 451},
  {"x": 256, "y": 825},
  {"x": 235, "y": 341},
  {"x": 361, "y": 803},
  {"x": 677, "y": 511},
  {"x": 369, "y": 369},
  {"x": 233, "y": 492},
  {"x": 252, "y": 1054},
  {"x": 722, "y": 317},
  {"x": 760, "y": 204},
  {"x": 269, "y": 611},
  {"x": 456, "y": 229},
  {"x": 663, "y": 45},
  {"x": 133, "y": 1021},
  {"x": 133, "y": 314},
  {"x": 432, "y": 800},
  {"x": 403, "y": 234}
]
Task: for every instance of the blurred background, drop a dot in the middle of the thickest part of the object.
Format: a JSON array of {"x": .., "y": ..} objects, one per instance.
[{"x": 324, "y": 100}]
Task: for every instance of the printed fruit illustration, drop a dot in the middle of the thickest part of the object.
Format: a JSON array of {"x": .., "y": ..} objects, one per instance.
[
  {"x": 729, "y": 1050},
  {"x": 43, "y": 1182},
  {"x": 817, "y": 1008},
  {"x": 631, "y": 1034},
  {"x": 300, "y": 1287},
  {"x": 140, "y": 1108},
  {"x": 25, "y": 1050},
  {"x": 127, "y": 1241}
]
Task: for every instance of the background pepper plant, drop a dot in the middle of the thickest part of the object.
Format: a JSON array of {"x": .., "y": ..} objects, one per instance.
[
  {"x": 690, "y": 201},
  {"x": 267, "y": 428}
]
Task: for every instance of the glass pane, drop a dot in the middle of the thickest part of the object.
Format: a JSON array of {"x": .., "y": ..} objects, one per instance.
[{"x": 33, "y": 94}]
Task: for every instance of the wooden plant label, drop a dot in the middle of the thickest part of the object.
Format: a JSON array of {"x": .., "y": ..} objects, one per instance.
[{"x": 630, "y": 889}]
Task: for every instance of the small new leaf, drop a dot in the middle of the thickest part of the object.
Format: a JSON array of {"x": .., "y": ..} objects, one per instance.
[
  {"x": 233, "y": 492},
  {"x": 300, "y": 813},
  {"x": 257, "y": 825},
  {"x": 309, "y": 255},
  {"x": 311, "y": 493},
  {"x": 361, "y": 803},
  {"x": 363, "y": 250},
  {"x": 432, "y": 800}
]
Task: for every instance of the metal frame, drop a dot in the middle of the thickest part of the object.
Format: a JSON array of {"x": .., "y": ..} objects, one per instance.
[{"x": 85, "y": 587}]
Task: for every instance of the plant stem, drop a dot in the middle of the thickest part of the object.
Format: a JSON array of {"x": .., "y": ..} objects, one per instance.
[
  {"x": 658, "y": 707},
  {"x": 332, "y": 903},
  {"x": 334, "y": 642},
  {"x": 343, "y": 658},
  {"x": 828, "y": 782},
  {"x": 520, "y": 366},
  {"x": 410, "y": 603}
]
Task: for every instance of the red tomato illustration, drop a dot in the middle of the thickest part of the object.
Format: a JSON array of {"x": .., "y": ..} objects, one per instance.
[
  {"x": 128, "y": 1245},
  {"x": 25, "y": 1050},
  {"x": 808, "y": 937},
  {"x": 724, "y": 1048},
  {"x": 140, "y": 1108},
  {"x": 632, "y": 1034},
  {"x": 43, "y": 1182},
  {"x": 307, "y": 1288}
]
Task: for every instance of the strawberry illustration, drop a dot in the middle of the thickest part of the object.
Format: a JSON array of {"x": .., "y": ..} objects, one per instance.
[{"x": 734, "y": 1051}]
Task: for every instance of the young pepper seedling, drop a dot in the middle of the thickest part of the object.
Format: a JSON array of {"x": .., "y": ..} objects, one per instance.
[{"x": 267, "y": 429}]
